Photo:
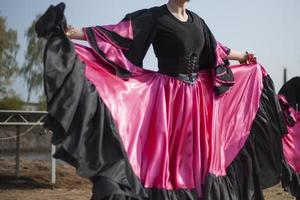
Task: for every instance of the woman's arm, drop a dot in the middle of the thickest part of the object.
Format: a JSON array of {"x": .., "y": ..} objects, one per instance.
[
  {"x": 243, "y": 58},
  {"x": 75, "y": 33},
  {"x": 238, "y": 56}
]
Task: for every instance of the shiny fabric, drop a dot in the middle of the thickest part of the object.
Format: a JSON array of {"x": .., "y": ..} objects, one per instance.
[
  {"x": 290, "y": 180},
  {"x": 289, "y": 112},
  {"x": 289, "y": 99},
  {"x": 151, "y": 136},
  {"x": 177, "y": 132},
  {"x": 118, "y": 39},
  {"x": 291, "y": 143},
  {"x": 291, "y": 91}
]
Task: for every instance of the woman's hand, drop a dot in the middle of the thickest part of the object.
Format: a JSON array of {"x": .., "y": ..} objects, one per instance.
[
  {"x": 242, "y": 58},
  {"x": 75, "y": 33},
  {"x": 248, "y": 58}
]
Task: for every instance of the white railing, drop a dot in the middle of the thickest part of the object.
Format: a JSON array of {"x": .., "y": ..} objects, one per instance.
[{"x": 31, "y": 119}]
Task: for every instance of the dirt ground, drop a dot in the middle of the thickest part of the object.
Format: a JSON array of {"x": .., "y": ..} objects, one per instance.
[{"x": 34, "y": 183}]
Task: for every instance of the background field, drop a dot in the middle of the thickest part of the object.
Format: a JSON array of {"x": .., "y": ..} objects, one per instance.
[{"x": 34, "y": 183}]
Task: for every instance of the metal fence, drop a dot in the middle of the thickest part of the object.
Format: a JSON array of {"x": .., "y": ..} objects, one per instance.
[{"x": 22, "y": 129}]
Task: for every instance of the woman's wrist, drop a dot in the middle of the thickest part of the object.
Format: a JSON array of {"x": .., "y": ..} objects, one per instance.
[
  {"x": 75, "y": 33},
  {"x": 70, "y": 31},
  {"x": 243, "y": 58},
  {"x": 248, "y": 58},
  {"x": 237, "y": 56}
]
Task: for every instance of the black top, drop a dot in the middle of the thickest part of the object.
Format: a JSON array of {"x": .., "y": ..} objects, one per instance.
[
  {"x": 177, "y": 45},
  {"x": 182, "y": 48},
  {"x": 174, "y": 38}
]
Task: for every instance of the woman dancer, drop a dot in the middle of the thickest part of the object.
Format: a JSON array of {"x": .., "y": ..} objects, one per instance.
[
  {"x": 196, "y": 129},
  {"x": 289, "y": 98}
]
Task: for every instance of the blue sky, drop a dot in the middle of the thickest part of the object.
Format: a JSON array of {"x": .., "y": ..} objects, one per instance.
[{"x": 269, "y": 28}]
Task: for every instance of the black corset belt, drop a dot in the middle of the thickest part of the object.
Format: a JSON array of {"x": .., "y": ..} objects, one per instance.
[{"x": 184, "y": 68}]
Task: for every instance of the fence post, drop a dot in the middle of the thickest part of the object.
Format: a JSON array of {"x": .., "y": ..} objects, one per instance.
[
  {"x": 53, "y": 167},
  {"x": 284, "y": 75},
  {"x": 18, "y": 153}
]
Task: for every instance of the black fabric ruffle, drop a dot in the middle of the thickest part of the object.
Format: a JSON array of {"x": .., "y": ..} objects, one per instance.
[
  {"x": 291, "y": 91},
  {"x": 86, "y": 138},
  {"x": 267, "y": 129},
  {"x": 290, "y": 180},
  {"x": 53, "y": 20},
  {"x": 152, "y": 194},
  {"x": 226, "y": 77},
  {"x": 82, "y": 126},
  {"x": 258, "y": 164},
  {"x": 223, "y": 76}
]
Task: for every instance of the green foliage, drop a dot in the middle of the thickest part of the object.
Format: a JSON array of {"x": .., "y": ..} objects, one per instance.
[
  {"x": 42, "y": 103},
  {"x": 8, "y": 51},
  {"x": 32, "y": 69},
  {"x": 11, "y": 103}
]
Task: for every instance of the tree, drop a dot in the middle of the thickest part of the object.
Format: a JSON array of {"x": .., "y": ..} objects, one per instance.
[
  {"x": 11, "y": 103},
  {"x": 42, "y": 103},
  {"x": 8, "y": 52},
  {"x": 32, "y": 69}
]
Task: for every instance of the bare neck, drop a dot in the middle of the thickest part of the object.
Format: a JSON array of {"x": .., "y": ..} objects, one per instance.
[{"x": 178, "y": 8}]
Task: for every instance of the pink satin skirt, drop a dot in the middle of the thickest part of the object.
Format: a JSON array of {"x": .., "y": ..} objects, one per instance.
[{"x": 176, "y": 133}]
